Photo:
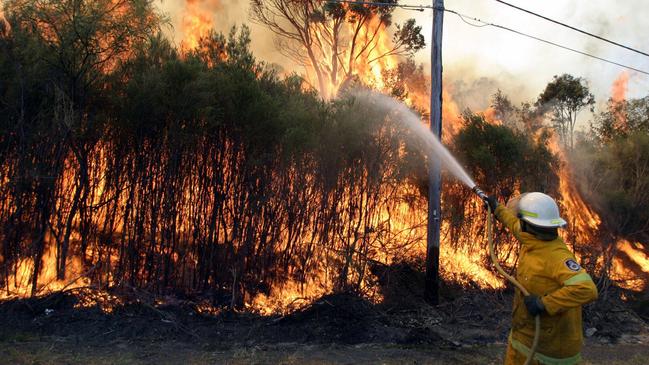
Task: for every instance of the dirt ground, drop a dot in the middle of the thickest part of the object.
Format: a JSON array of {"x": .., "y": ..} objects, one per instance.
[{"x": 54, "y": 350}]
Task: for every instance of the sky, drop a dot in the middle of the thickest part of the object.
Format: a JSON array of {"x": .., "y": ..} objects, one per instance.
[
  {"x": 524, "y": 66},
  {"x": 478, "y": 61}
]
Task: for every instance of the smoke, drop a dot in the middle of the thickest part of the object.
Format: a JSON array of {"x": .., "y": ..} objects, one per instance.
[
  {"x": 473, "y": 94},
  {"x": 473, "y": 76},
  {"x": 474, "y": 90}
]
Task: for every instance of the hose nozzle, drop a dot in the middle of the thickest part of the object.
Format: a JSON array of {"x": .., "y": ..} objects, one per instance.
[{"x": 480, "y": 193}]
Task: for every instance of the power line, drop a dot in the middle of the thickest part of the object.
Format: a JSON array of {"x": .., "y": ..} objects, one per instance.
[
  {"x": 573, "y": 28},
  {"x": 471, "y": 24},
  {"x": 392, "y": 5},
  {"x": 464, "y": 18},
  {"x": 484, "y": 23}
]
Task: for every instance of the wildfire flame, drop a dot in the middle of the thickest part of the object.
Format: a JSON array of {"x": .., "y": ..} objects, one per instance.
[
  {"x": 197, "y": 20},
  {"x": 585, "y": 229},
  {"x": 618, "y": 96},
  {"x": 583, "y": 221},
  {"x": 3, "y": 20},
  {"x": 406, "y": 222},
  {"x": 290, "y": 295},
  {"x": 620, "y": 87},
  {"x": 373, "y": 64},
  {"x": 19, "y": 285},
  {"x": 628, "y": 264}
]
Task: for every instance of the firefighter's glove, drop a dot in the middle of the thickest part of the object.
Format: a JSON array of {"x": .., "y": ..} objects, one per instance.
[
  {"x": 492, "y": 202},
  {"x": 534, "y": 305}
]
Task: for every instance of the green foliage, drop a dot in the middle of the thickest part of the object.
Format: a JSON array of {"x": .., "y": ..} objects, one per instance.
[
  {"x": 503, "y": 107},
  {"x": 572, "y": 92},
  {"x": 566, "y": 96},
  {"x": 409, "y": 35},
  {"x": 408, "y": 79},
  {"x": 334, "y": 41},
  {"x": 361, "y": 10},
  {"x": 504, "y": 160},
  {"x": 335, "y": 10},
  {"x": 525, "y": 118},
  {"x": 622, "y": 118}
]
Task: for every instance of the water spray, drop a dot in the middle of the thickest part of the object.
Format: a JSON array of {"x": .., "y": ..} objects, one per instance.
[{"x": 435, "y": 149}]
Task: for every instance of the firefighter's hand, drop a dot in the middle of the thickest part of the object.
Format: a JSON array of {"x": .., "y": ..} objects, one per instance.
[
  {"x": 492, "y": 202},
  {"x": 534, "y": 305}
]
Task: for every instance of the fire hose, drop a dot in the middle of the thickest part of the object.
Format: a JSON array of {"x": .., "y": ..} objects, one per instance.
[{"x": 494, "y": 259}]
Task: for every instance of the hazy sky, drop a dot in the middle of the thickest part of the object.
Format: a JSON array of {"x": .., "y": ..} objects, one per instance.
[
  {"x": 517, "y": 61},
  {"x": 480, "y": 60}
]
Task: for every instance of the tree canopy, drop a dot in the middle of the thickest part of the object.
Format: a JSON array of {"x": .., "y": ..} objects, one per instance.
[
  {"x": 565, "y": 96},
  {"x": 334, "y": 41}
]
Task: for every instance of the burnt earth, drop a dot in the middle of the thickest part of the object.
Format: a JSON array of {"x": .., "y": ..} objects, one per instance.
[
  {"x": 463, "y": 318},
  {"x": 340, "y": 318}
]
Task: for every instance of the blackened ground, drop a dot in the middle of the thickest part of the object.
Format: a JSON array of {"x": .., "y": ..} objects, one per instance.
[{"x": 465, "y": 318}]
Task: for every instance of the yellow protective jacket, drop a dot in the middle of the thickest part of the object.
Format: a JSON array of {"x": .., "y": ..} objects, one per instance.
[{"x": 548, "y": 269}]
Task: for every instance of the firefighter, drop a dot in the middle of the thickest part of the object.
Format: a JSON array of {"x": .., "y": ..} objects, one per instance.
[{"x": 558, "y": 285}]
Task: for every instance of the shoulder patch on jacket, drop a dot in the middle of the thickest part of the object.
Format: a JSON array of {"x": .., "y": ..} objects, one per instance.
[{"x": 572, "y": 265}]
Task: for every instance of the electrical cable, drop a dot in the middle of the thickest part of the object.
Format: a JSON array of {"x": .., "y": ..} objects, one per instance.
[
  {"x": 395, "y": 5},
  {"x": 471, "y": 24},
  {"x": 573, "y": 28},
  {"x": 463, "y": 17}
]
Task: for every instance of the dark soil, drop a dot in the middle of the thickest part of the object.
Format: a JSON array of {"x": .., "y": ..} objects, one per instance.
[{"x": 463, "y": 318}]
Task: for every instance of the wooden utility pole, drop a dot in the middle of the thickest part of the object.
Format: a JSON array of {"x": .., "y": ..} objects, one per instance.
[{"x": 434, "y": 168}]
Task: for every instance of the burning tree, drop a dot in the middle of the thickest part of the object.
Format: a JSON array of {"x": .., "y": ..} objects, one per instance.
[
  {"x": 66, "y": 54},
  {"x": 338, "y": 42}
]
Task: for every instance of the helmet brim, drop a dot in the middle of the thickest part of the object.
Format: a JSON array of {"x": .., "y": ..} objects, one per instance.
[{"x": 545, "y": 223}]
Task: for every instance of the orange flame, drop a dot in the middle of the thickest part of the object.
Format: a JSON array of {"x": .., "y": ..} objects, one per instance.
[
  {"x": 372, "y": 50},
  {"x": 290, "y": 295},
  {"x": 451, "y": 116},
  {"x": 630, "y": 269},
  {"x": 583, "y": 221},
  {"x": 372, "y": 66},
  {"x": 585, "y": 227},
  {"x": 620, "y": 87},
  {"x": 460, "y": 265},
  {"x": 19, "y": 285},
  {"x": 3, "y": 20},
  {"x": 618, "y": 96},
  {"x": 197, "y": 20}
]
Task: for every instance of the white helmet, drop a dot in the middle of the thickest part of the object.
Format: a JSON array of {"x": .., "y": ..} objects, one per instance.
[{"x": 540, "y": 210}]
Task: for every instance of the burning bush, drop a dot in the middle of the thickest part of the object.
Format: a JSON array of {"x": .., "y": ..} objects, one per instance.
[
  {"x": 619, "y": 156},
  {"x": 194, "y": 172},
  {"x": 202, "y": 171}
]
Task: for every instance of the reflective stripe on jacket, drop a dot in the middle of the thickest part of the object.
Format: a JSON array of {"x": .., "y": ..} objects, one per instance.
[{"x": 548, "y": 269}]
